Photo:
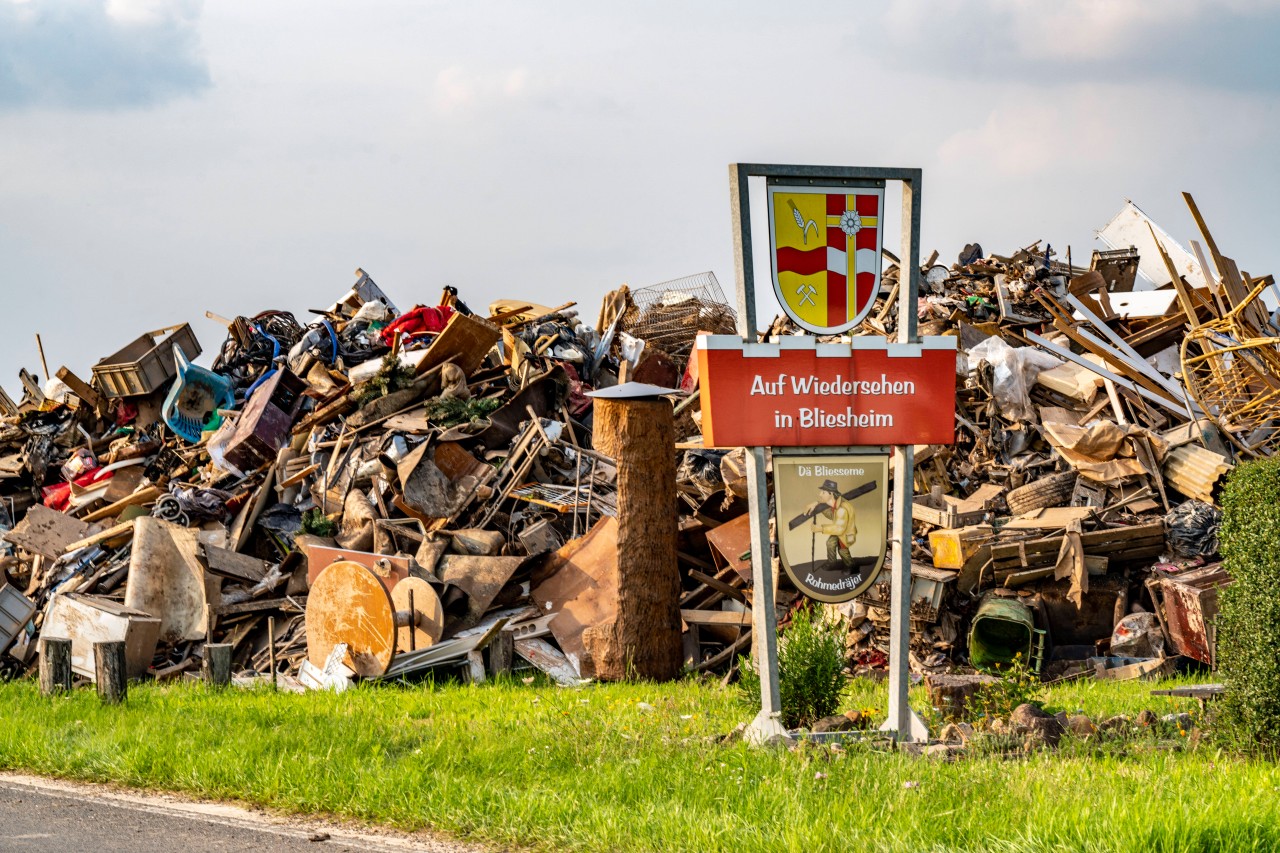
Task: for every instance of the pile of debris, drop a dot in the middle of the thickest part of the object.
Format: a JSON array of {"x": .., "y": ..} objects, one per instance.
[
  {"x": 383, "y": 494},
  {"x": 1074, "y": 519},
  {"x": 374, "y": 494}
]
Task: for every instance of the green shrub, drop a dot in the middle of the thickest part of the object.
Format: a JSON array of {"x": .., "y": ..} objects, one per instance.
[
  {"x": 1019, "y": 684},
  {"x": 316, "y": 523},
  {"x": 811, "y": 657},
  {"x": 1248, "y": 623}
]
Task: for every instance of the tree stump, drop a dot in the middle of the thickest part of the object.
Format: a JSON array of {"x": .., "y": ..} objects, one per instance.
[
  {"x": 111, "y": 672},
  {"x": 644, "y": 641},
  {"x": 55, "y": 665},
  {"x": 217, "y": 664}
]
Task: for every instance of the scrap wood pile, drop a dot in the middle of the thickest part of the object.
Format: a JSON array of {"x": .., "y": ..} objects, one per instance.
[
  {"x": 1074, "y": 519},
  {"x": 379, "y": 494},
  {"x": 372, "y": 493}
]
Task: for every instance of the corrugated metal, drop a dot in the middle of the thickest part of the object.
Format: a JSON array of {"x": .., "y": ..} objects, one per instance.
[{"x": 1194, "y": 471}]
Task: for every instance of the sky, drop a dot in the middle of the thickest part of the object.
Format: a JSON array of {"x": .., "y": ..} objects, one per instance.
[{"x": 167, "y": 157}]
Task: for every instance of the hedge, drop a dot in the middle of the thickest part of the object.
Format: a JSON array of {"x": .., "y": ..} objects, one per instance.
[{"x": 1248, "y": 623}]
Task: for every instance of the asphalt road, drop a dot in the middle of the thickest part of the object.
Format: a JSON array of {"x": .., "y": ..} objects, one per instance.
[{"x": 46, "y": 816}]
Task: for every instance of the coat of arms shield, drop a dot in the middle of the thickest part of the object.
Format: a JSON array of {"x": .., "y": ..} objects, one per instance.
[{"x": 826, "y": 253}]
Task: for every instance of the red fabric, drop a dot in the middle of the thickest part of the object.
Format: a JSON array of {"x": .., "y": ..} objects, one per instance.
[
  {"x": 58, "y": 496},
  {"x": 578, "y": 401},
  {"x": 416, "y": 321}
]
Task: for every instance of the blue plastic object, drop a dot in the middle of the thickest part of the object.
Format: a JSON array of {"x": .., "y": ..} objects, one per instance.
[{"x": 192, "y": 404}]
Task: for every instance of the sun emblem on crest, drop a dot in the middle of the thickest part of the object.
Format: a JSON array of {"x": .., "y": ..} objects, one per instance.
[{"x": 850, "y": 222}]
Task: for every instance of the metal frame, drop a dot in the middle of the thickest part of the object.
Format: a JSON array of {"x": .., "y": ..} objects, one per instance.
[{"x": 904, "y": 724}]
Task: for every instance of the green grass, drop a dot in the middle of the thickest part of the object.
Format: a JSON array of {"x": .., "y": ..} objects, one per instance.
[{"x": 590, "y": 769}]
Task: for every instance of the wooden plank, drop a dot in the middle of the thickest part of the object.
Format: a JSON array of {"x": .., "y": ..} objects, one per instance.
[
  {"x": 1130, "y": 555},
  {"x": 468, "y": 338},
  {"x": 1062, "y": 352},
  {"x": 47, "y": 532},
  {"x": 287, "y": 603},
  {"x": 720, "y": 586},
  {"x": 142, "y": 496},
  {"x": 79, "y": 387},
  {"x": 716, "y": 617},
  {"x": 229, "y": 564}
]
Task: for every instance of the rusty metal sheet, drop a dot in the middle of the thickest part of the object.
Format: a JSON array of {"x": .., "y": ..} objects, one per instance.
[
  {"x": 581, "y": 590},
  {"x": 731, "y": 540},
  {"x": 425, "y": 487},
  {"x": 391, "y": 570},
  {"x": 456, "y": 462},
  {"x": 1190, "y": 605},
  {"x": 481, "y": 578}
]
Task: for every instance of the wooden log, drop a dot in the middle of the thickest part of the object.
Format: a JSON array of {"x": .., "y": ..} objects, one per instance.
[
  {"x": 502, "y": 652},
  {"x": 55, "y": 665},
  {"x": 217, "y": 664},
  {"x": 121, "y": 532},
  {"x": 644, "y": 641},
  {"x": 144, "y": 495},
  {"x": 271, "y": 648},
  {"x": 110, "y": 671}
]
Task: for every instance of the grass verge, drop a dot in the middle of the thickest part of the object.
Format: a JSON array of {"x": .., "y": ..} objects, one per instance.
[{"x": 595, "y": 769}]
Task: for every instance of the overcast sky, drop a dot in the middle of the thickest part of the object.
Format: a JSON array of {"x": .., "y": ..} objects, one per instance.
[{"x": 164, "y": 157}]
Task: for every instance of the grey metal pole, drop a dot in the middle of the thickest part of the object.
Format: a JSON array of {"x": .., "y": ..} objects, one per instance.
[
  {"x": 764, "y": 619},
  {"x": 740, "y": 210},
  {"x": 902, "y": 721}
]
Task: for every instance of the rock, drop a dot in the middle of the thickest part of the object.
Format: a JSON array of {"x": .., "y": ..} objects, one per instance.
[
  {"x": 781, "y": 740},
  {"x": 857, "y": 718},
  {"x": 951, "y": 694},
  {"x": 1026, "y": 713},
  {"x": 944, "y": 751},
  {"x": 1038, "y": 721},
  {"x": 956, "y": 733},
  {"x": 1119, "y": 722},
  {"x": 1182, "y": 720},
  {"x": 836, "y": 723},
  {"x": 1081, "y": 726},
  {"x": 1147, "y": 719}
]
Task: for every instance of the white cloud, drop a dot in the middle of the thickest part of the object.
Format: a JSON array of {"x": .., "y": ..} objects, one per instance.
[
  {"x": 459, "y": 88},
  {"x": 99, "y": 54}
]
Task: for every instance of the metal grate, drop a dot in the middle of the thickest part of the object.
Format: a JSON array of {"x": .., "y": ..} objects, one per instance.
[
  {"x": 562, "y": 498},
  {"x": 669, "y": 315}
]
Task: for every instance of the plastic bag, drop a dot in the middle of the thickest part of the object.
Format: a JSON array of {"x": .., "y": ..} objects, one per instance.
[
  {"x": 1138, "y": 635},
  {"x": 1191, "y": 529},
  {"x": 1015, "y": 372}
]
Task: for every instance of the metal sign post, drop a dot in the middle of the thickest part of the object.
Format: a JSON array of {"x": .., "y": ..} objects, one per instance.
[{"x": 902, "y": 722}]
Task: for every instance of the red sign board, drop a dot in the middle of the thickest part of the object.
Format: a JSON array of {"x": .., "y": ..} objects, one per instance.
[{"x": 800, "y": 393}]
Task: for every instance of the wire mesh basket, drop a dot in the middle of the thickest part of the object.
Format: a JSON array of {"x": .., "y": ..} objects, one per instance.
[{"x": 669, "y": 316}]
